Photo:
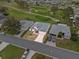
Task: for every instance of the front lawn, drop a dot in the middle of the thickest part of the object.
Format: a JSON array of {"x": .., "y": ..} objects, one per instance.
[
  {"x": 30, "y": 36},
  {"x": 11, "y": 52},
  {"x": 68, "y": 44},
  {"x": 39, "y": 56}
]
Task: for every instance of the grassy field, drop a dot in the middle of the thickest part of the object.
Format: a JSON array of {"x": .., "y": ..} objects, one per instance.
[
  {"x": 11, "y": 52},
  {"x": 68, "y": 44},
  {"x": 43, "y": 10},
  {"x": 21, "y": 15},
  {"x": 39, "y": 56}
]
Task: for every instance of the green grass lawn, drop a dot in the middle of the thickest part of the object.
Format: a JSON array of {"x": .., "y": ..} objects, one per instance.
[
  {"x": 43, "y": 10},
  {"x": 39, "y": 56},
  {"x": 11, "y": 52},
  {"x": 21, "y": 15}
]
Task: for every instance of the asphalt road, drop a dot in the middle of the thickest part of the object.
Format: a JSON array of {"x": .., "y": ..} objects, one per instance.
[{"x": 41, "y": 48}]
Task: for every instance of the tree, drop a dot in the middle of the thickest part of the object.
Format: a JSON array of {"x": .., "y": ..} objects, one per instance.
[
  {"x": 4, "y": 10},
  {"x": 11, "y": 25},
  {"x": 74, "y": 37},
  {"x": 60, "y": 34},
  {"x": 70, "y": 11}
]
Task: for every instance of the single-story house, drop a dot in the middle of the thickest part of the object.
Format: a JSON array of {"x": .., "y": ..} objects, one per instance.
[
  {"x": 25, "y": 24},
  {"x": 56, "y": 29},
  {"x": 40, "y": 26}
]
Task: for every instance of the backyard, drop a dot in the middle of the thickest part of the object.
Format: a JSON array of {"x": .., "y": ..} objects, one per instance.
[{"x": 11, "y": 52}]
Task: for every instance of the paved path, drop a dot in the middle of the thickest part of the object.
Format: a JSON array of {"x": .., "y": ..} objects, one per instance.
[
  {"x": 3, "y": 45},
  {"x": 31, "y": 53},
  {"x": 54, "y": 19},
  {"x": 40, "y": 37},
  {"x": 42, "y": 48}
]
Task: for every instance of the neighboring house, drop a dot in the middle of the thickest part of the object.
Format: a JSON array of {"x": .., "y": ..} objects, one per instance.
[
  {"x": 39, "y": 26},
  {"x": 25, "y": 24},
  {"x": 2, "y": 19},
  {"x": 76, "y": 12},
  {"x": 56, "y": 28},
  {"x": 76, "y": 16},
  {"x": 43, "y": 1}
]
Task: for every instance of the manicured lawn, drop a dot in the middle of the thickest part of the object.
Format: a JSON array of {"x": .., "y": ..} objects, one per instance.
[
  {"x": 39, "y": 56},
  {"x": 11, "y": 52},
  {"x": 68, "y": 44}
]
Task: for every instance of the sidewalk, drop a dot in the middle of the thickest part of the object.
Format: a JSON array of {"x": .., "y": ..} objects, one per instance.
[{"x": 3, "y": 45}]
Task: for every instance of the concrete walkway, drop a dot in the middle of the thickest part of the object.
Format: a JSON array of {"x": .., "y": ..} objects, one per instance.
[
  {"x": 3, "y": 45},
  {"x": 31, "y": 53},
  {"x": 40, "y": 37}
]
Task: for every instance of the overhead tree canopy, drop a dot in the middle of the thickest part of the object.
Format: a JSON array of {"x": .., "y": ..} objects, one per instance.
[{"x": 11, "y": 25}]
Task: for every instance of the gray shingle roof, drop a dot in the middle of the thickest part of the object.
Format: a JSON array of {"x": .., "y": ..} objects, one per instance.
[
  {"x": 25, "y": 24},
  {"x": 2, "y": 18},
  {"x": 42, "y": 26},
  {"x": 55, "y": 29}
]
